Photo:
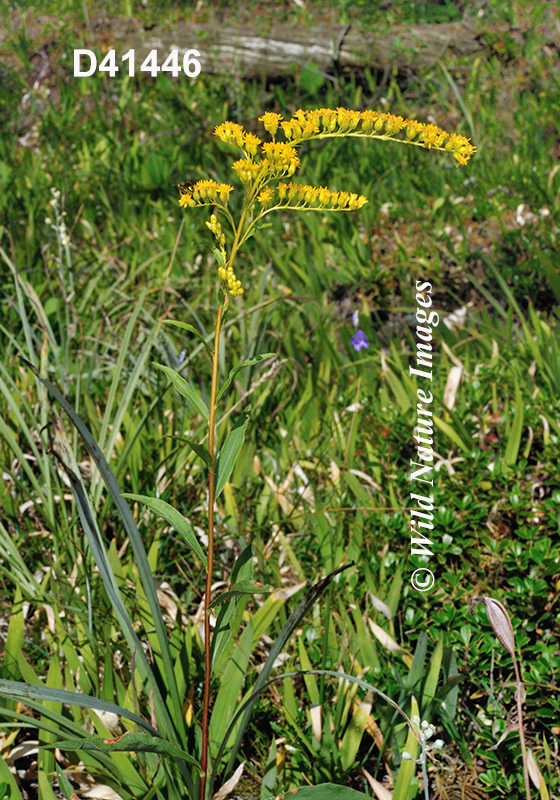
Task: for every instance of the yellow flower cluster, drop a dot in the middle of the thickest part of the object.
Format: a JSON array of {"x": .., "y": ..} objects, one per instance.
[
  {"x": 300, "y": 196},
  {"x": 247, "y": 170},
  {"x": 264, "y": 162},
  {"x": 282, "y": 157},
  {"x": 324, "y": 122},
  {"x": 232, "y": 133},
  {"x": 228, "y": 277},
  {"x": 205, "y": 193},
  {"x": 216, "y": 229}
]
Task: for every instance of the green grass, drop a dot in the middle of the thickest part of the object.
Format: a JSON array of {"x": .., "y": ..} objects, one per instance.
[{"x": 323, "y": 477}]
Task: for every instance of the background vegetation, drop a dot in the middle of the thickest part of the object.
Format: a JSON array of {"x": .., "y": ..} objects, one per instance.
[{"x": 323, "y": 477}]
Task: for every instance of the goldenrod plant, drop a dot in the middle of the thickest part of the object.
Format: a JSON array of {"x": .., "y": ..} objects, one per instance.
[{"x": 266, "y": 174}]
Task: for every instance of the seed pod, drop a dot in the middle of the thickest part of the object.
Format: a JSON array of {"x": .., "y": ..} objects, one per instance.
[{"x": 499, "y": 619}]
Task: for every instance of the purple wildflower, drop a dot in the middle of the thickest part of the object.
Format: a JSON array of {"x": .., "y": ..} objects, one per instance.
[
  {"x": 181, "y": 357},
  {"x": 359, "y": 340}
]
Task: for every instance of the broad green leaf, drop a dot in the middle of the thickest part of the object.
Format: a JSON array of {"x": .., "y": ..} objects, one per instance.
[
  {"x": 132, "y": 741},
  {"x": 186, "y": 327},
  {"x": 228, "y": 453},
  {"x": 328, "y": 791},
  {"x": 184, "y": 388},
  {"x": 249, "y": 362},
  {"x": 174, "y": 518},
  {"x": 239, "y": 588}
]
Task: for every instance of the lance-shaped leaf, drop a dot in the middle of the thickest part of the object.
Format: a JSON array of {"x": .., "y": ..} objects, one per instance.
[
  {"x": 184, "y": 388},
  {"x": 29, "y": 691},
  {"x": 64, "y": 783},
  {"x": 328, "y": 791},
  {"x": 249, "y": 362},
  {"x": 199, "y": 449},
  {"x": 228, "y": 453},
  {"x": 131, "y": 741},
  {"x": 239, "y": 588},
  {"x": 174, "y": 518},
  {"x": 186, "y": 327}
]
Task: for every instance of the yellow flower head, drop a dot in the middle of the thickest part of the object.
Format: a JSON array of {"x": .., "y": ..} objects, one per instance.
[
  {"x": 347, "y": 119},
  {"x": 230, "y": 132},
  {"x": 206, "y": 193},
  {"x": 265, "y": 197},
  {"x": 282, "y": 157},
  {"x": 271, "y": 120},
  {"x": 251, "y": 143},
  {"x": 246, "y": 170}
]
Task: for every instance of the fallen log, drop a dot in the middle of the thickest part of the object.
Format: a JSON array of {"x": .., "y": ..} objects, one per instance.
[{"x": 246, "y": 51}]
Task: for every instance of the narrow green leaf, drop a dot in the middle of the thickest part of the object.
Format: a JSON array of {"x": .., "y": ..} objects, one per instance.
[
  {"x": 219, "y": 257},
  {"x": 199, "y": 449},
  {"x": 432, "y": 678},
  {"x": 328, "y": 791},
  {"x": 132, "y": 741},
  {"x": 29, "y": 691},
  {"x": 399, "y": 391},
  {"x": 514, "y": 439},
  {"x": 448, "y": 686},
  {"x": 293, "y": 621},
  {"x": 261, "y": 685},
  {"x": 242, "y": 570},
  {"x": 417, "y": 667},
  {"x": 239, "y": 588},
  {"x": 64, "y": 783},
  {"x": 184, "y": 388},
  {"x": 10, "y": 781},
  {"x": 174, "y": 518},
  {"x": 452, "y": 433},
  {"x": 407, "y": 770},
  {"x": 228, "y": 454},
  {"x": 249, "y": 362},
  {"x": 143, "y": 568},
  {"x": 186, "y": 327}
]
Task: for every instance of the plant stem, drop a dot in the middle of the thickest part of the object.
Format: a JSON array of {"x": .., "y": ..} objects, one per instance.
[
  {"x": 518, "y": 694},
  {"x": 425, "y": 772},
  {"x": 208, "y": 594}
]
